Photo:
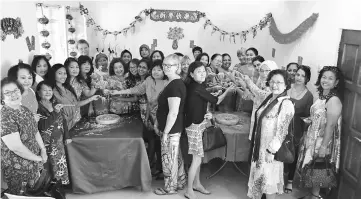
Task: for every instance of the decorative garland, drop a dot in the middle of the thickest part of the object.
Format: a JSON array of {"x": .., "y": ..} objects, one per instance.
[
  {"x": 179, "y": 16},
  {"x": 11, "y": 26},
  {"x": 71, "y": 30},
  {"x": 295, "y": 34}
]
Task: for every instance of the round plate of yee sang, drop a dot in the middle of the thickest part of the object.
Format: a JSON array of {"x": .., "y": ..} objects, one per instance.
[
  {"x": 227, "y": 119},
  {"x": 107, "y": 119}
]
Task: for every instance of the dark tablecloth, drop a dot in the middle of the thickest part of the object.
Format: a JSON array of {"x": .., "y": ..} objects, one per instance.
[{"x": 108, "y": 157}]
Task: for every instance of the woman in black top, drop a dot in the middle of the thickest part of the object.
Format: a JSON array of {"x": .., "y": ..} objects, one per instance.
[
  {"x": 170, "y": 124},
  {"x": 195, "y": 115}
]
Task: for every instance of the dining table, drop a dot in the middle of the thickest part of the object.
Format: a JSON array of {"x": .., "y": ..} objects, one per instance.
[{"x": 108, "y": 157}]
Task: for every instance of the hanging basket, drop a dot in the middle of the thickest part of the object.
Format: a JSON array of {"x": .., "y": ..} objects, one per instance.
[
  {"x": 71, "y": 41},
  {"x": 43, "y": 20},
  {"x": 69, "y": 17},
  {"x": 44, "y": 33},
  {"x": 73, "y": 54},
  {"x": 71, "y": 29},
  {"x": 46, "y": 45}
]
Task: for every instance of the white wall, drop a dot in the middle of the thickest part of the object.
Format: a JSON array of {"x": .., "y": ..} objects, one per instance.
[
  {"x": 318, "y": 47},
  {"x": 14, "y": 49}
]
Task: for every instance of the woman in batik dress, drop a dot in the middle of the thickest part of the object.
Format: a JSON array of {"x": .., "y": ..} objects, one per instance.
[
  {"x": 323, "y": 136},
  {"x": 54, "y": 131},
  {"x": 271, "y": 127}
]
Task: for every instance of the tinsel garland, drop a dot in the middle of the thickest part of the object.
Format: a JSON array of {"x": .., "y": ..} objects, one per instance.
[{"x": 295, "y": 34}]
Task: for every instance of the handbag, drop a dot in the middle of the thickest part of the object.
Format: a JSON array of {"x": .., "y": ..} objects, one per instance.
[
  {"x": 319, "y": 173},
  {"x": 46, "y": 185},
  {"x": 286, "y": 153},
  {"x": 213, "y": 138}
]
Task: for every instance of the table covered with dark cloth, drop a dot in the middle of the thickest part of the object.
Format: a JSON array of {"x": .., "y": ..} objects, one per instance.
[
  {"x": 238, "y": 145},
  {"x": 108, "y": 157}
]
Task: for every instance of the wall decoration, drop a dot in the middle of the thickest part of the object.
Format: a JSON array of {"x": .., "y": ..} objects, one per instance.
[
  {"x": 175, "y": 34},
  {"x": 44, "y": 33},
  {"x": 293, "y": 35},
  {"x": 299, "y": 61},
  {"x": 11, "y": 26},
  {"x": 191, "y": 44},
  {"x": 70, "y": 33},
  {"x": 273, "y": 52},
  {"x": 176, "y": 15},
  {"x": 31, "y": 46}
]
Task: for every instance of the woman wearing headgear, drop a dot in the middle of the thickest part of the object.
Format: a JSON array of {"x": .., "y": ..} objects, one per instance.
[
  {"x": 272, "y": 120},
  {"x": 323, "y": 137},
  {"x": 101, "y": 64},
  {"x": 144, "y": 51}
]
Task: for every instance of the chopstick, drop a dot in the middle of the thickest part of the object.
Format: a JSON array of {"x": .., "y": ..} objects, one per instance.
[{"x": 68, "y": 105}]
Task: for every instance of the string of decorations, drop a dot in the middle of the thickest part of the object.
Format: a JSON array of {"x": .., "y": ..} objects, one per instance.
[
  {"x": 45, "y": 33},
  {"x": 176, "y": 15},
  {"x": 71, "y": 30},
  {"x": 293, "y": 35}
]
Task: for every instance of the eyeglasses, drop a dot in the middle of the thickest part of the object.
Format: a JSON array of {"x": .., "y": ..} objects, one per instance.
[
  {"x": 168, "y": 65},
  {"x": 277, "y": 83},
  {"x": 261, "y": 70},
  {"x": 10, "y": 93},
  {"x": 290, "y": 70}
]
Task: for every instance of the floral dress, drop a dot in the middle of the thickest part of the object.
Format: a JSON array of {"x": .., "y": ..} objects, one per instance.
[
  {"x": 71, "y": 113},
  {"x": 53, "y": 130},
  {"x": 268, "y": 177},
  {"x": 17, "y": 169},
  {"x": 117, "y": 105},
  {"x": 312, "y": 140}
]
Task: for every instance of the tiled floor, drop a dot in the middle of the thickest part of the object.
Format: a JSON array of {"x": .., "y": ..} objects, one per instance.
[{"x": 228, "y": 184}]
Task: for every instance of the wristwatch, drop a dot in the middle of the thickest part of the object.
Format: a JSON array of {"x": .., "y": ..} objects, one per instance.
[{"x": 268, "y": 151}]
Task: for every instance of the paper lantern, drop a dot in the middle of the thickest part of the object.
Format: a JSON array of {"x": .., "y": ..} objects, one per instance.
[
  {"x": 46, "y": 45},
  {"x": 44, "y": 33}
]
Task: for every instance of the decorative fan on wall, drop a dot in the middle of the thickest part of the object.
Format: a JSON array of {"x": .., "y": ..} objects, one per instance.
[{"x": 11, "y": 26}]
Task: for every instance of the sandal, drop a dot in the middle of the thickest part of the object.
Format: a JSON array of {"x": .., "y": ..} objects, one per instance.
[
  {"x": 162, "y": 192},
  {"x": 287, "y": 188},
  {"x": 205, "y": 192},
  {"x": 187, "y": 196}
]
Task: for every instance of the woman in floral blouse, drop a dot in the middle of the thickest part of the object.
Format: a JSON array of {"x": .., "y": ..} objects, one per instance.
[
  {"x": 22, "y": 149},
  {"x": 119, "y": 104},
  {"x": 53, "y": 130}
]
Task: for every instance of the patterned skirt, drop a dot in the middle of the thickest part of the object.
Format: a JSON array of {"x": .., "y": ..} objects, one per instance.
[{"x": 195, "y": 135}]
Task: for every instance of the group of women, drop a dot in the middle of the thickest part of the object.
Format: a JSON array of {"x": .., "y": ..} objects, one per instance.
[{"x": 41, "y": 103}]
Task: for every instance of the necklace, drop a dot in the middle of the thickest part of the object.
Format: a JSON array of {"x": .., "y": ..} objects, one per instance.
[
  {"x": 327, "y": 96},
  {"x": 296, "y": 94}
]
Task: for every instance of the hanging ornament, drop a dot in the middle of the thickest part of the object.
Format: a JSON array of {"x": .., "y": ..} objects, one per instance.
[
  {"x": 214, "y": 30},
  {"x": 71, "y": 41},
  {"x": 46, "y": 45},
  {"x": 69, "y": 17},
  {"x": 43, "y": 20},
  {"x": 44, "y": 33},
  {"x": 73, "y": 53},
  {"x": 71, "y": 29},
  {"x": 254, "y": 31}
]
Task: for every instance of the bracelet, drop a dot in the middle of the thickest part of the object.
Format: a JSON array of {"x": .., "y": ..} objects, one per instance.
[{"x": 268, "y": 151}]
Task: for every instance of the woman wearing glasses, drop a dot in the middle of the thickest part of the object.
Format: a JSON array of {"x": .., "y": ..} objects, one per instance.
[
  {"x": 170, "y": 124},
  {"x": 22, "y": 149},
  {"x": 272, "y": 119}
]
